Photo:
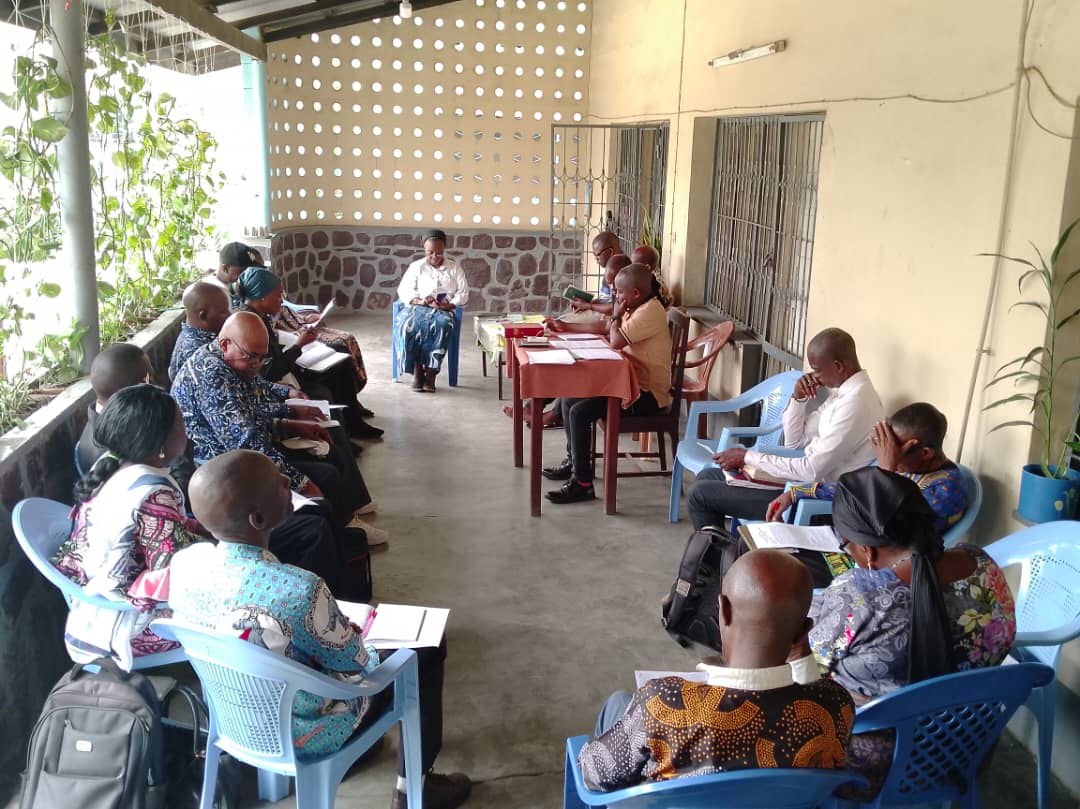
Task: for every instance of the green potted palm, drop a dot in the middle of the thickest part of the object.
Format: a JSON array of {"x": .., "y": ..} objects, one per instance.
[{"x": 1049, "y": 489}]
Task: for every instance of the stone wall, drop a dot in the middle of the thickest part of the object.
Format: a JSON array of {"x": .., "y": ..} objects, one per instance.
[
  {"x": 37, "y": 460},
  {"x": 359, "y": 268}
]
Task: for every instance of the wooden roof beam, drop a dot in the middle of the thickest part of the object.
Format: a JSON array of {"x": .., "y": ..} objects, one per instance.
[{"x": 209, "y": 25}]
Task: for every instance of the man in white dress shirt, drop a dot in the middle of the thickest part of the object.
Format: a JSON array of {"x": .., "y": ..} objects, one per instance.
[
  {"x": 835, "y": 437},
  {"x": 431, "y": 289}
]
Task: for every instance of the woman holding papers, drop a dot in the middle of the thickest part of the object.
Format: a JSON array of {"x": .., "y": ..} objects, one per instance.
[
  {"x": 258, "y": 290},
  {"x": 431, "y": 289}
]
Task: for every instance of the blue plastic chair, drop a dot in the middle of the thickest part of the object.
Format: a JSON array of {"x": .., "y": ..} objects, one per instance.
[
  {"x": 945, "y": 727},
  {"x": 250, "y": 693},
  {"x": 695, "y": 454},
  {"x": 740, "y": 789},
  {"x": 1047, "y": 614},
  {"x": 41, "y": 527},
  {"x": 805, "y": 509},
  {"x": 452, "y": 350}
]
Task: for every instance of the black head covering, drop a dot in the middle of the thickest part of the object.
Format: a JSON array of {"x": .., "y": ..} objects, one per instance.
[
  {"x": 435, "y": 234},
  {"x": 876, "y": 508}
]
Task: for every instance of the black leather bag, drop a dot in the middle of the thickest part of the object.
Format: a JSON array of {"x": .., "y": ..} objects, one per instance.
[
  {"x": 185, "y": 757},
  {"x": 691, "y": 611}
]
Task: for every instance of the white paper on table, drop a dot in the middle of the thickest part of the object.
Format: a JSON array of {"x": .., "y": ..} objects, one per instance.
[
  {"x": 558, "y": 356},
  {"x": 579, "y": 336},
  {"x": 321, "y": 405},
  {"x": 299, "y": 501},
  {"x": 603, "y": 353},
  {"x": 577, "y": 344},
  {"x": 400, "y": 626},
  {"x": 781, "y": 535},
  {"x": 642, "y": 677}
]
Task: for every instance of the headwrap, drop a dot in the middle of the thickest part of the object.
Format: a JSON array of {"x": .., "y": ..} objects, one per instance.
[
  {"x": 439, "y": 235},
  {"x": 254, "y": 284},
  {"x": 876, "y": 508}
]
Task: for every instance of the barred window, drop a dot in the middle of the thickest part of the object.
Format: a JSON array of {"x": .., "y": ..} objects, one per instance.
[{"x": 761, "y": 240}]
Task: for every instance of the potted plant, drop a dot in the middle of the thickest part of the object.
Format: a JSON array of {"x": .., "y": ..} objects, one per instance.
[{"x": 1049, "y": 489}]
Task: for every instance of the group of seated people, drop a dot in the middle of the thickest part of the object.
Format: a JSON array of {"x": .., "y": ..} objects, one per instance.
[{"x": 793, "y": 664}]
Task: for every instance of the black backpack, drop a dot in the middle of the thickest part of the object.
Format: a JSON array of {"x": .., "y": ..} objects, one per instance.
[
  {"x": 97, "y": 744},
  {"x": 691, "y": 612}
]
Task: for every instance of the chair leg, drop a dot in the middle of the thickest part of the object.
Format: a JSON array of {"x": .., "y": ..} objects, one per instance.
[
  {"x": 676, "y": 490},
  {"x": 210, "y": 771},
  {"x": 570, "y": 796},
  {"x": 661, "y": 445},
  {"x": 272, "y": 786},
  {"x": 1043, "y": 701}
]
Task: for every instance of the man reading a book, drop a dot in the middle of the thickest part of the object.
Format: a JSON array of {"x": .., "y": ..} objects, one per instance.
[
  {"x": 755, "y": 710},
  {"x": 239, "y": 588},
  {"x": 835, "y": 438},
  {"x": 638, "y": 327}
]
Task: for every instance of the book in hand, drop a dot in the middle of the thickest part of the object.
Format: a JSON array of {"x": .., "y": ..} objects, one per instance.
[
  {"x": 762, "y": 535},
  {"x": 314, "y": 356},
  {"x": 398, "y": 626},
  {"x": 750, "y": 477},
  {"x": 573, "y": 293}
]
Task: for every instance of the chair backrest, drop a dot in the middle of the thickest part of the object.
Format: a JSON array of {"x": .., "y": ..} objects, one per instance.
[
  {"x": 250, "y": 692},
  {"x": 739, "y": 789},
  {"x": 945, "y": 727},
  {"x": 679, "y": 326},
  {"x": 41, "y": 526},
  {"x": 960, "y": 528},
  {"x": 710, "y": 342},
  {"x": 1048, "y": 598}
]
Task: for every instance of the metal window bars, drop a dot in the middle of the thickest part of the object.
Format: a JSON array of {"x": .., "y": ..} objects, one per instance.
[
  {"x": 604, "y": 178},
  {"x": 761, "y": 239}
]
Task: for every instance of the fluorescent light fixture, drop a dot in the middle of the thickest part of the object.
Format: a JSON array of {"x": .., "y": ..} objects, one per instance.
[
  {"x": 405, "y": 9},
  {"x": 746, "y": 54}
]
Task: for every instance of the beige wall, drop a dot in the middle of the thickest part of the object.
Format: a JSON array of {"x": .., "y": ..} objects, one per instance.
[{"x": 909, "y": 191}]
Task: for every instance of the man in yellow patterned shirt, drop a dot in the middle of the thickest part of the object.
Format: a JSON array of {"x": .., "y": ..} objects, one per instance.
[{"x": 755, "y": 709}]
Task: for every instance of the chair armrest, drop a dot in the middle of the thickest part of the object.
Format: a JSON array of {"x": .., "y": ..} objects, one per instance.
[
  {"x": 783, "y": 452},
  {"x": 1049, "y": 637},
  {"x": 728, "y": 434}
]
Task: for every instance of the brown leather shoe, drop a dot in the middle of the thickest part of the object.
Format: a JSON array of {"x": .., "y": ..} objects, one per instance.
[
  {"x": 429, "y": 380},
  {"x": 440, "y": 792},
  {"x": 418, "y": 377}
]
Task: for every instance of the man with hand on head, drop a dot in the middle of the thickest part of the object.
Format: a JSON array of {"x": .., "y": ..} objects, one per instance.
[
  {"x": 835, "y": 438},
  {"x": 239, "y": 588},
  {"x": 764, "y": 703}
]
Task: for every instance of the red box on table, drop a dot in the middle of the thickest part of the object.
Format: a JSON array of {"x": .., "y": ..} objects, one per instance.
[{"x": 512, "y": 330}]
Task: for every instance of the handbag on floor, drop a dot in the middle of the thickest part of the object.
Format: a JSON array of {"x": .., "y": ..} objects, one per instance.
[
  {"x": 691, "y": 612},
  {"x": 185, "y": 757}
]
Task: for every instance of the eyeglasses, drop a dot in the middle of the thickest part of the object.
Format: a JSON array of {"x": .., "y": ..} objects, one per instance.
[{"x": 262, "y": 359}]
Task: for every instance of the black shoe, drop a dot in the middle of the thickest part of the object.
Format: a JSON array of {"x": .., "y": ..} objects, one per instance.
[
  {"x": 572, "y": 492},
  {"x": 365, "y": 431},
  {"x": 440, "y": 792},
  {"x": 418, "y": 377},
  {"x": 561, "y": 472},
  {"x": 364, "y": 412}
]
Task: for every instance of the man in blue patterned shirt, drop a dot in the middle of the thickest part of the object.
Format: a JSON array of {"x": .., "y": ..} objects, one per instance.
[
  {"x": 239, "y": 588},
  {"x": 207, "y": 307}
]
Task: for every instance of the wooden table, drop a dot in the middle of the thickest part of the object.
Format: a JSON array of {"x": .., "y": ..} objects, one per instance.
[{"x": 613, "y": 379}]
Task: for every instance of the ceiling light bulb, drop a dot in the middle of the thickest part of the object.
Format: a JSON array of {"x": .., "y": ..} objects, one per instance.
[{"x": 405, "y": 9}]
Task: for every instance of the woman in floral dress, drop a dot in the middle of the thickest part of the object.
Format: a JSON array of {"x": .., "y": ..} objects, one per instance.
[{"x": 910, "y": 610}]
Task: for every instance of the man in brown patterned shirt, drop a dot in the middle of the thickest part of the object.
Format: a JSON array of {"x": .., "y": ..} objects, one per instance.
[{"x": 751, "y": 712}]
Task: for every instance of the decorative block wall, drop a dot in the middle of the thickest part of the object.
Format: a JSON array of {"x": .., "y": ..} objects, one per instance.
[{"x": 360, "y": 268}]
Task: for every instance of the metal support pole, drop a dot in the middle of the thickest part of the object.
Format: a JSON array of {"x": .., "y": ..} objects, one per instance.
[
  {"x": 254, "y": 73},
  {"x": 73, "y": 158}
]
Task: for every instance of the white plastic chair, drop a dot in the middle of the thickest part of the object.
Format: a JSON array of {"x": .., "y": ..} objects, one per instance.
[
  {"x": 250, "y": 693},
  {"x": 41, "y": 527},
  {"x": 1047, "y": 615}
]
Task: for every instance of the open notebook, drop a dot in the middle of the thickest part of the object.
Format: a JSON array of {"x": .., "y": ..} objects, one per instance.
[{"x": 314, "y": 356}]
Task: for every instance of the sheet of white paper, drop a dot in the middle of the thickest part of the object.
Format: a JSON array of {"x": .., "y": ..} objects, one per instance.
[
  {"x": 578, "y": 336},
  {"x": 781, "y": 535},
  {"x": 319, "y": 404},
  {"x": 299, "y": 501},
  {"x": 577, "y": 344},
  {"x": 602, "y": 353},
  {"x": 425, "y": 625},
  {"x": 324, "y": 313},
  {"x": 642, "y": 677},
  {"x": 558, "y": 356},
  {"x": 286, "y": 338}
]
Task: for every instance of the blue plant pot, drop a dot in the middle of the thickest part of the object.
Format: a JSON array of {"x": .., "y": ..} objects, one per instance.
[{"x": 1043, "y": 499}]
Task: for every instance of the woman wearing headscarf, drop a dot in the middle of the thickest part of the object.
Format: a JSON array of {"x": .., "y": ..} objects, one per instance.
[
  {"x": 259, "y": 290},
  {"x": 431, "y": 289},
  {"x": 910, "y": 610}
]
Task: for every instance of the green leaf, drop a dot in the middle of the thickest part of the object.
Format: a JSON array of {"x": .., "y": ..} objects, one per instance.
[
  {"x": 1016, "y": 397},
  {"x": 49, "y": 290},
  {"x": 1061, "y": 242},
  {"x": 49, "y": 130},
  {"x": 1065, "y": 320},
  {"x": 1034, "y": 304},
  {"x": 105, "y": 289},
  {"x": 1020, "y": 423}
]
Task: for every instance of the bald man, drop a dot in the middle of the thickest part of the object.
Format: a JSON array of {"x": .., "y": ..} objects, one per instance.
[
  {"x": 834, "y": 438},
  {"x": 638, "y": 328},
  {"x": 754, "y": 710},
  {"x": 118, "y": 366},
  {"x": 644, "y": 254},
  {"x": 206, "y": 307},
  {"x": 239, "y": 588}
]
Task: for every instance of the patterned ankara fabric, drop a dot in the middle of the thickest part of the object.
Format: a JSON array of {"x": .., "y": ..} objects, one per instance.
[
  {"x": 120, "y": 546},
  {"x": 243, "y": 590},
  {"x": 944, "y": 489},
  {"x": 861, "y": 624},
  {"x": 292, "y": 321},
  {"x": 422, "y": 335},
  {"x": 224, "y": 411},
  {"x": 675, "y": 728},
  {"x": 188, "y": 342}
]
